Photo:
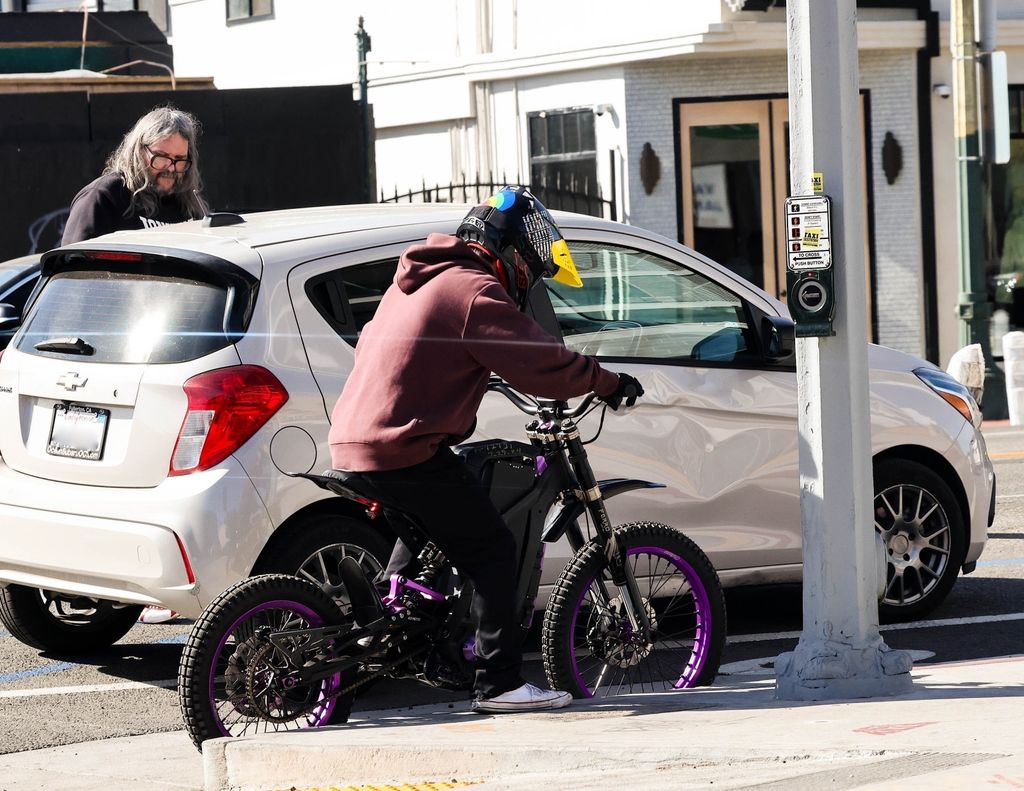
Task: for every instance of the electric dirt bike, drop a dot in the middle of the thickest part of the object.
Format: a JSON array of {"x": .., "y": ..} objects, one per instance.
[{"x": 638, "y": 608}]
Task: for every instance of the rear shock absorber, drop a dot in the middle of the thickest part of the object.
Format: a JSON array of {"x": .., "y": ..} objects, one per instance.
[{"x": 430, "y": 560}]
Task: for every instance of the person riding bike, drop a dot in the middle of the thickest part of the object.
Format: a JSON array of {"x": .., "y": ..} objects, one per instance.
[{"x": 452, "y": 316}]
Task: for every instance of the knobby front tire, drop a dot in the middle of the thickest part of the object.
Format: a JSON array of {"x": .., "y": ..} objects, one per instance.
[
  {"x": 223, "y": 659},
  {"x": 588, "y": 644}
]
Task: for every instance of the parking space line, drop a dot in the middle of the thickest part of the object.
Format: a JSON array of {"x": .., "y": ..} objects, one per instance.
[
  {"x": 87, "y": 688},
  {"x": 892, "y": 627}
]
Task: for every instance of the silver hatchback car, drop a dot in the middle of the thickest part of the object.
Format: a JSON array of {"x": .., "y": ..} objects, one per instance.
[{"x": 164, "y": 380}]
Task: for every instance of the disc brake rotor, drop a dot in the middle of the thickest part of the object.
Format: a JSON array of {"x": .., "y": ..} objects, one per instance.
[{"x": 611, "y": 636}]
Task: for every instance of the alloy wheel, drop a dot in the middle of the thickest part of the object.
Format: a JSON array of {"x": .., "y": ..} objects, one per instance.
[{"x": 918, "y": 540}]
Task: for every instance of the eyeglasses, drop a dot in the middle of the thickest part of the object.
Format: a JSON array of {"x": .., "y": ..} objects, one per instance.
[{"x": 164, "y": 162}]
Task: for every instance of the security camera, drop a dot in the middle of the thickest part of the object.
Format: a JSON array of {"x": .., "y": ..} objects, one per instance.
[
  {"x": 601, "y": 109},
  {"x": 942, "y": 90}
]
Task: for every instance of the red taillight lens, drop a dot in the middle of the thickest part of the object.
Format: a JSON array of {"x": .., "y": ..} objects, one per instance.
[
  {"x": 225, "y": 408},
  {"x": 184, "y": 559},
  {"x": 110, "y": 255}
]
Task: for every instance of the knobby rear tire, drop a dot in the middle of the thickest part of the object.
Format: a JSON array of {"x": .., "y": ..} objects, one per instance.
[
  {"x": 213, "y": 641},
  {"x": 586, "y": 648}
]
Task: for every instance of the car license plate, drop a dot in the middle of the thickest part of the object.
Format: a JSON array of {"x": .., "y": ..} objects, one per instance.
[{"x": 78, "y": 431}]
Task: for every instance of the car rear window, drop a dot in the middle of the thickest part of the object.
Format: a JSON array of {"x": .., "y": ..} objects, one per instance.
[{"x": 128, "y": 317}]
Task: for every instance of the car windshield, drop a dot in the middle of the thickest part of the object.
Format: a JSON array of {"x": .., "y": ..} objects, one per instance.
[{"x": 126, "y": 317}]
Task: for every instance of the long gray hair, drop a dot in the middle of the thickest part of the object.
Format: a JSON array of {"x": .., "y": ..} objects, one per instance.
[{"x": 131, "y": 162}]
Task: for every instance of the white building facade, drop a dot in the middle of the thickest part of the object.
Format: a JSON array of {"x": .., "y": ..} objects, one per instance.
[{"x": 674, "y": 111}]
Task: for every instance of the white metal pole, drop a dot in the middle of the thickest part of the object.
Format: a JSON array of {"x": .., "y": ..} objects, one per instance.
[{"x": 840, "y": 653}]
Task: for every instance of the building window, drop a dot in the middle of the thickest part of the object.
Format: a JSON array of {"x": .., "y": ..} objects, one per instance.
[
  {"x": 563, "y": 158},
  {"x": 241, "y": 10}
]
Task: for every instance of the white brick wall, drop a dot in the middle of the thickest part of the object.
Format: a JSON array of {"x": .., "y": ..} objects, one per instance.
[{"x": 888, "y": 75}]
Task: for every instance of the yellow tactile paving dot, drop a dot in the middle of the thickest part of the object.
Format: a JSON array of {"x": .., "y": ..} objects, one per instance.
[{"x": 433, "y": 785}]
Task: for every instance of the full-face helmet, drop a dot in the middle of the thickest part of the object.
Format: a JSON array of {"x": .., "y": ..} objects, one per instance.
[{"x": 517, "y": 230}]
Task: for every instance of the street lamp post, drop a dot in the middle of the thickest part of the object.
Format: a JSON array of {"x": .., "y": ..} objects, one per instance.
[
  {"x": 972, "y": 201},
  {"x": 363, "y": 50}
]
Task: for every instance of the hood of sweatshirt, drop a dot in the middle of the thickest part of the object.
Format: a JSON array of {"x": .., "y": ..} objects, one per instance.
[{"x": 421, "y": 262}]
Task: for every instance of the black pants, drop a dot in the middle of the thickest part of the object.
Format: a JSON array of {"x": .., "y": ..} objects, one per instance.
[{"x": 459, "y": 517}]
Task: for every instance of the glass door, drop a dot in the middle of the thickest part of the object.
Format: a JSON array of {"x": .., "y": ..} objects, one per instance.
[
  {"x": 727, "y": 188},
  {"x": 735, "y": 179}
]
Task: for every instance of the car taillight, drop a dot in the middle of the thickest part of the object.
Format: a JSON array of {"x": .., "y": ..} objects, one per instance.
[
  {"x": 110, "y": 255},
  {"x": 225, "y": 408}
]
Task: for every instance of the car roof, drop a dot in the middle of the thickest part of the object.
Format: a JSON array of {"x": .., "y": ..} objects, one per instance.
[
  {"x": 286, "y": 236},
  {"x": 21, "y": 262},
  {"x": 263, "y": 229}
]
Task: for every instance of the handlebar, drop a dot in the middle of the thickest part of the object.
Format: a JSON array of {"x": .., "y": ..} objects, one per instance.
[{"x": 534, "y": 406}]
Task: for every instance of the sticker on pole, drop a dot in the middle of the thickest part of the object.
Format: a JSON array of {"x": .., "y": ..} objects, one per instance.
[
  {"x": 817, "y": 183},
  {"x": 809, "y": 226}
]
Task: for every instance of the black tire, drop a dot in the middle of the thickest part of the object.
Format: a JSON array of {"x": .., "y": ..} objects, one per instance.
[
  {"x": 215, "y": 656},
  {"x": 313, "y": 550},
  {"x": 63, "y": 624},
  {"x": 923, "y": 528},
  {"x": 581, "y": 643}
]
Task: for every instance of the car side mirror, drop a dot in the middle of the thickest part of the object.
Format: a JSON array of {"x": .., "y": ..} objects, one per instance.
[
  {"x": 10, "y": 316},
  {"x": 779, "y": 335}
]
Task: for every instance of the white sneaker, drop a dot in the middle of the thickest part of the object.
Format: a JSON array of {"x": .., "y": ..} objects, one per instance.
[
  {"x": 525, "y": 698},
  {"x": 153, "y": 614}
]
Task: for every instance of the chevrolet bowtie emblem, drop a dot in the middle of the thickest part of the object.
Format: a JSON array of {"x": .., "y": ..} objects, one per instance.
[{"x": 71, "y": 381}]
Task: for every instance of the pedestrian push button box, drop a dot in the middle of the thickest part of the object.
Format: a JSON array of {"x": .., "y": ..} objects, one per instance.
[{"x": 810, "y": 282}]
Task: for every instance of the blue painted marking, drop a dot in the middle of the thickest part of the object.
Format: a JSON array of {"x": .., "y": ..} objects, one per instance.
[
  {"x": 1005, "y": 562},
  {"x": 57, "y": 667},
  {"x": 177, "y": 638},
  {"x": 4, "y": 633},
  {"x": 35, "y": 671}
]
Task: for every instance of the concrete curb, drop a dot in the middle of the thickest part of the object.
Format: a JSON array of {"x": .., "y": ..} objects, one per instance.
[{"x": 958, "y": 728}]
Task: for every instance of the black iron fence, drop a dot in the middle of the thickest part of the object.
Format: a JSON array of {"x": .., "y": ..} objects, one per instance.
[{"x": 581, "y": 202}]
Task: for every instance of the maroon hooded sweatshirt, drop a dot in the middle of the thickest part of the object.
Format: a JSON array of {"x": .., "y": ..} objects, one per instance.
[{"x": 422, "y": 364}]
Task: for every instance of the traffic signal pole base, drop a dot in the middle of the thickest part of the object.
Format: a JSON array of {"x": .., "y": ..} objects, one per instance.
[{"x": 825, "y": 669}]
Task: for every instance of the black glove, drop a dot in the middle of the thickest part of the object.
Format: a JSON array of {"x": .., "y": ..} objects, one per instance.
[{"x": 629, "y": 390}]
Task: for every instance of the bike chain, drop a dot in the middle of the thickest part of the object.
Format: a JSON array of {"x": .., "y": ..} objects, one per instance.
[{"x": 250, "y": 680}]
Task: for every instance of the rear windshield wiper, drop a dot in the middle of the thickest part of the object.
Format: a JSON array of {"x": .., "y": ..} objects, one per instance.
[{"x": 68, "y": 345}]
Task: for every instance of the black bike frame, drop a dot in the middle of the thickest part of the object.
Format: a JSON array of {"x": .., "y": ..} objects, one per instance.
[{"x": 561, "y": 488}]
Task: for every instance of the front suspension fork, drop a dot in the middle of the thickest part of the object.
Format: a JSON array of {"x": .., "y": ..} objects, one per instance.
[{"x": 621, "y": 572}]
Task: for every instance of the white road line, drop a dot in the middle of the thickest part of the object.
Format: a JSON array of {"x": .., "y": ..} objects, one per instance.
[
  {"x": 1009, "y": 496},
  {"x": 531, "y": 657},
  {"x": 892, "y": 627},
  {"x": 86, "y": 688}
]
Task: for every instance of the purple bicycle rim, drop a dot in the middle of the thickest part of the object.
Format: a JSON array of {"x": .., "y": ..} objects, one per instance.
[
  {"x": 699, "y": 655},
  {"x": 302, "y": 610}
]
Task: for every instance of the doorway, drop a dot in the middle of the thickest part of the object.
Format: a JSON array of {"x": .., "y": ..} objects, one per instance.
[{"x": 734, "y": 163}]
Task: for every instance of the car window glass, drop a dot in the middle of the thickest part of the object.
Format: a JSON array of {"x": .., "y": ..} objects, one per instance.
[
  {"x": 347, "y": 298},
  {"x": 636, "y": 304},
  {"x": 128, "y": 317},
  {"x": 17, "y": 294}
]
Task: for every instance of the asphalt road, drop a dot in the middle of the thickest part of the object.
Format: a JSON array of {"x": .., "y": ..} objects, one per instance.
[{"x": 130, "y": 689}]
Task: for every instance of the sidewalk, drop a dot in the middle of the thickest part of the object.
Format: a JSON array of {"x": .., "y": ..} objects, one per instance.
[{"x": 959, "y": 729}]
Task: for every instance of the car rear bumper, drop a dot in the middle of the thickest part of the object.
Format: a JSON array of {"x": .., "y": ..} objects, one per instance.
[{"x": 123, "y": 544}]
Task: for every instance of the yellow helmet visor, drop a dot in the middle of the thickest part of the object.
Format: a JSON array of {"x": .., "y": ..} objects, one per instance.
[{"x": 566, "y": 270}]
